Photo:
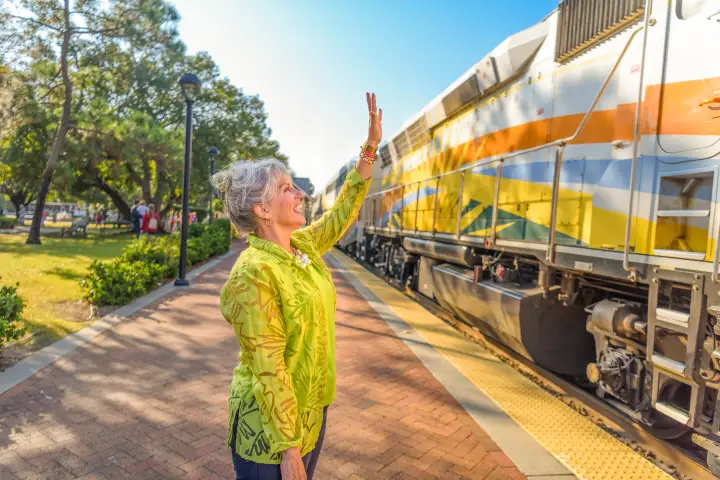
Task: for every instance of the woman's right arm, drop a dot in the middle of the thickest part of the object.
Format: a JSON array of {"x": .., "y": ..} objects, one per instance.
[{"x": 251, "y": 303}]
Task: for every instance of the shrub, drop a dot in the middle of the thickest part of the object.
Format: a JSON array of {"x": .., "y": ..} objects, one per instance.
[
  {"x": 163, "y": 251},
  {"x": 117, "y": 282},
  {"x": 146, "y": 262},
  {"x": 11, "y": 307},
  {"x": 7, "y": 223},
  {"x": 198, "y": 250},
  {"x": 196, "y": 230}
]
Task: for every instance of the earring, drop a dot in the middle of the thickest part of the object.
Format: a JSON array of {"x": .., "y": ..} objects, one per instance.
[{"x": 268, "y": 222}]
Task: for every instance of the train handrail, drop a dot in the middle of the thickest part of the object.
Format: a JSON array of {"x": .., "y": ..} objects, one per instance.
[
  {"x": 636, "y": 145},
  {"x": 556, "y": 143}
]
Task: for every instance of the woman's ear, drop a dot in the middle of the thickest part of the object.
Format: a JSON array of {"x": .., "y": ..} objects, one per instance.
[{"x": 261, "y": 212}]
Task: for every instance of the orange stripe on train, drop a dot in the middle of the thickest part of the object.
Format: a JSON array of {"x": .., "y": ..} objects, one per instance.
[{"x": 679, "y": 115}]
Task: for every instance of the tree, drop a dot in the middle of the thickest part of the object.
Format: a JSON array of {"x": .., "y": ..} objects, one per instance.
[
  {"x": 53, "y": 30},
  {"x": 28, "y": 131},
  {"x": 124, "y": 136},
  {"x": 21, "y": 163}
]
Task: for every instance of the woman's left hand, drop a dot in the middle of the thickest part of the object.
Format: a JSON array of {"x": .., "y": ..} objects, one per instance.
[{"x": 375, "y": 128}]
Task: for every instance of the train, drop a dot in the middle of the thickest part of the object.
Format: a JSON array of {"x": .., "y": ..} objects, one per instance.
[{"x": 561, "y": 197}]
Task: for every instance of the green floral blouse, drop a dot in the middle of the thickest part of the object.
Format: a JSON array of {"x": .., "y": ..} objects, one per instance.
[{"x": 284, "y": 319}]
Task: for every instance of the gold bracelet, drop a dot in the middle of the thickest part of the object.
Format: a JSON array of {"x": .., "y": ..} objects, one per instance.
[
  {"x": 370, "y": 160},
  {"x": 368, "y": 153},
  {"x": 367, "y": 148}
]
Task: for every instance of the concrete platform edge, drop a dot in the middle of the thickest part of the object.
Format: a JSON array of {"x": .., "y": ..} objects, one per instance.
[
  {"x": 531, "y": 458},
  {"x": 45, "y": 357}
]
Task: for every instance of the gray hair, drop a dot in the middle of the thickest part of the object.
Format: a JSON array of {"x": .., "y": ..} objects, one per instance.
[{"x": 244, "y": 184}]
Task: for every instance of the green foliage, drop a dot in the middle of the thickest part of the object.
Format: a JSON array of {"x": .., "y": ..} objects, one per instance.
[
  {"x": 118, "y": 282},
  {"x": 11, "y": 307},
  {"x": 125, "y": 57},
  {"x": 148, "y": 261},
  {"x": 222, "y": 230},
  {"x": 195, "y": 230},
  {"x": 6, "y": 223}
]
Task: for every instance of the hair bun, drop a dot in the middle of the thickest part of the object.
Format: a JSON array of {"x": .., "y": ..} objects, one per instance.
[{"x": 221, "y": 181}]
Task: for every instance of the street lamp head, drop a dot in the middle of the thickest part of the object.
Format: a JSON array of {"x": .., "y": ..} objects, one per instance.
[
  {"x": 213, "y": 151},
  {"x": 190, "y": 85}
]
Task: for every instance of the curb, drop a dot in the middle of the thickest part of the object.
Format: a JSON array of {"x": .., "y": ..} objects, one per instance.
[{"x": 45, "y": 357}]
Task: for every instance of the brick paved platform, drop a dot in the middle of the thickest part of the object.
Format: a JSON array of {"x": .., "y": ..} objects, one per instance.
[{"x": 148, "y": 400}]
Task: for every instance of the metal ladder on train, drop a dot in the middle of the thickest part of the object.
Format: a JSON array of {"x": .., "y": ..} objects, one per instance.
[{"x": 693, "y": 325}]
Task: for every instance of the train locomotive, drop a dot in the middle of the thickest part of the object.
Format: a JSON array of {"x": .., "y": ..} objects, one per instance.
[{"x": 561, "y": 196}]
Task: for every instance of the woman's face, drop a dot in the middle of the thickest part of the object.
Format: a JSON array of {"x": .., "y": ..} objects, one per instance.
[{"x": 287, "y": 207}]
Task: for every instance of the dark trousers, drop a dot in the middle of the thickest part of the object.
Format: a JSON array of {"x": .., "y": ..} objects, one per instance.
[{"x": 247, "y": 470}]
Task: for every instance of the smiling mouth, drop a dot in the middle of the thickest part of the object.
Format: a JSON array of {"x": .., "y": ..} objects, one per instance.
[{"x": 299, "y": 209}]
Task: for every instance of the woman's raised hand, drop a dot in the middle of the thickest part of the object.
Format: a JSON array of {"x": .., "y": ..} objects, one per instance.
[{"x": 375, "y": 127}]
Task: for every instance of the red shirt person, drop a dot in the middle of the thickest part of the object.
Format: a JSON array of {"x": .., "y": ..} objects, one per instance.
[{"x": 150, "y": 221}]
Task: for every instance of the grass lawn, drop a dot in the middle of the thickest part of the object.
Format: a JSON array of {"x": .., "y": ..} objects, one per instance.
[{"x": 49, "y": 275}]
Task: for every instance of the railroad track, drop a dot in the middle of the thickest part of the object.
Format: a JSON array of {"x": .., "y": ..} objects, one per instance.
[{"x": 682, "y": 460}]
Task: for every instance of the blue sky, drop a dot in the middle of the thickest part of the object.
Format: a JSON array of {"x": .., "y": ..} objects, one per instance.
[{"x": 312, "y": 61}]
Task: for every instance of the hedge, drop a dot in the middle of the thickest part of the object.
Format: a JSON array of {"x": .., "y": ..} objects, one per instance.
[
  {"x": 7, "y": 223},
  {"x": 148, "y": 261},
  {"x": 11, "y": 308}
]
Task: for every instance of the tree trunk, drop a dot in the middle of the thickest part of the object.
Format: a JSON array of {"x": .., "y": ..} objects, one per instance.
[
  {"x": 59, "y": 140},
  {"x": 115, "y": 196},
  {"x": 169, "y": 206},
  {"x": 19, "y": 199},
  {"x": 17, "y": 204}
]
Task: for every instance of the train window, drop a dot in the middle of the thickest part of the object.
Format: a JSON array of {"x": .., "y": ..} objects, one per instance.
[
  {"x": 689, "y": 8},
  {"x": 461, "y": 96},
  {"x": 583, "y": 23}
]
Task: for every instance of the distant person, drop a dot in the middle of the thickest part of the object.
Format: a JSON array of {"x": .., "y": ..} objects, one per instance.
[
  {"x": 135, "y": 217},
  {"x": 150, "y": 221},
  {"x": 142, "y": 208},
  {"x": 44, "y": 217},
  {"x": 280, "y": 300}
]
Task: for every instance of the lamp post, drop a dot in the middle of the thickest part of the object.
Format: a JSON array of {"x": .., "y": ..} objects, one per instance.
[
  {"x": 190, "y": 85},
  {"x": 212, "y": 151}
]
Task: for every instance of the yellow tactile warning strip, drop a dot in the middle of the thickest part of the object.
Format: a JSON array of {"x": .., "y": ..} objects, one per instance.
[{"x": 584, "y": 448}]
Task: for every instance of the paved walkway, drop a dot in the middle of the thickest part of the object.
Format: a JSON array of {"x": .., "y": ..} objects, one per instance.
[{"x": 147, "y": 399}]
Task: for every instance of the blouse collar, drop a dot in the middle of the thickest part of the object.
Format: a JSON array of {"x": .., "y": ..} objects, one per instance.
[{"x": 270, "y": 247}]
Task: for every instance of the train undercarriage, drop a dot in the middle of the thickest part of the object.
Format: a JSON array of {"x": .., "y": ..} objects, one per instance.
[{"x": 649, "y": 349}]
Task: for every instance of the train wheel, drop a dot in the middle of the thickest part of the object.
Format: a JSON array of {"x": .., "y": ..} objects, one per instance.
[
  {"x": 713, "y": 462},
  {"x": 663, "y": 426},
  {"x": 668, "y": 429}
]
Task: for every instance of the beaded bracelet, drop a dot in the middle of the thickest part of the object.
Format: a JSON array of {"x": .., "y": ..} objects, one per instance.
[{"x": 368, "y": 153}]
